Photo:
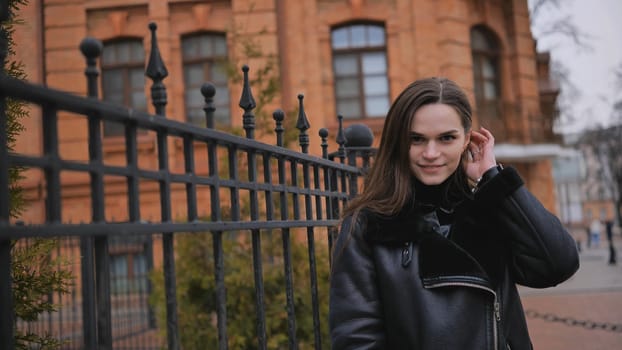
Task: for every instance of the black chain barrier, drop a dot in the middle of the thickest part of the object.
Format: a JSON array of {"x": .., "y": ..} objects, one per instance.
[{"x": 610, "y": 327}]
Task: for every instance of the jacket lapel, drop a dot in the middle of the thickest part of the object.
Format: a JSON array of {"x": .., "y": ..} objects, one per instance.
[
  {"x": 470, "y": 252},
  {"x": 440, "y": 257}
]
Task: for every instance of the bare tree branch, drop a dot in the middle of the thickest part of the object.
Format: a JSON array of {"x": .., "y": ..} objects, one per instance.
[
  {"x": 618, "y": 76},
  {"x": 570, "y": 93},
  {"x": 538, "y": 5},
  {"x": 549, "y": 23},
  {"x": 565, "y": 28},
  {"x": 604, "y": 177}
]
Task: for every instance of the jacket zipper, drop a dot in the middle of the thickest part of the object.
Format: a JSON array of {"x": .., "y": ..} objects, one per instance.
[{"x": 496, "y": 305}]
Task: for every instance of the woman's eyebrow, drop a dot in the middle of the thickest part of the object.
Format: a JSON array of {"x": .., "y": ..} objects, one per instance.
[
  {"x": 413, "y": 135},
  {"x": 449, "y": 132}
]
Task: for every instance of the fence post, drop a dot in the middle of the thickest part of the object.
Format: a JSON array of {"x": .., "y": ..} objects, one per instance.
[
  {"x": 91, "y": 49},
  {"x": 303, "y": 125},
  {"x": 278, "y": 116},
  {"x": 209, "y": 91},
  {"x": 323, "y": 136},
  {"x": 336, "y": 181},
  {"x": 359, "y": 139},
  {"x": 6, "y": 292},
  {"x": 341, "y": 140},
  {"x": 247, "y": 102},
  {"x": 328, "y": 185},
  {"x": 157, "y": 72}
]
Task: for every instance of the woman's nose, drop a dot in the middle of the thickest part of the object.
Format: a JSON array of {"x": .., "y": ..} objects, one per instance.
[{"x": 430, "y": 150}]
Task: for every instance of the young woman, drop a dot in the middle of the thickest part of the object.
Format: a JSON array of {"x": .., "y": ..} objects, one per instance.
[{"x": 429, "y": 254}]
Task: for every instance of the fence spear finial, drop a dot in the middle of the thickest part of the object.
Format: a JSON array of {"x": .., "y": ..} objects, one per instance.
[
  {"x": 247, "y": 103},
  {"x": 156, "y": 70},
  {"x": 303, "y": 125}
]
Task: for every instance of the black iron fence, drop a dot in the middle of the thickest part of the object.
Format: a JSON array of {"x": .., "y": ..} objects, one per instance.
[{"x": 254, "y": 193}]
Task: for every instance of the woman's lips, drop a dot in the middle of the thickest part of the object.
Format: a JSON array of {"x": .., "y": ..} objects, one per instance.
[{"x": 430, "y": 168}]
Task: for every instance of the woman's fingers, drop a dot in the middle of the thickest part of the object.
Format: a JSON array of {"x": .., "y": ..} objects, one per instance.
[
  {"x": 488, "y": 135},
  {"x": 478, "y": 142},
  {"x": 481, "y": 147},
  {"x": 483, "y": 138}
]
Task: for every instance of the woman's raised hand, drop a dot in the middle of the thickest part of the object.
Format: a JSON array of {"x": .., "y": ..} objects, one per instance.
[{"x": 481, "y": 153}]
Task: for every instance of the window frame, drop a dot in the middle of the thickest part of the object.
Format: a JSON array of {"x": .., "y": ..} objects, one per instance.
[
  {"x": 126, "y": 68},
  {"x": 359, "y": 51},
  {"x": 491, "y": 54},
  {"x": 207, "y": 63}
]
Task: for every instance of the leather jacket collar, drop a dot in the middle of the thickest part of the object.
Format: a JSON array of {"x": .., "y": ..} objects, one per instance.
[{"x": 470, "y": 251}]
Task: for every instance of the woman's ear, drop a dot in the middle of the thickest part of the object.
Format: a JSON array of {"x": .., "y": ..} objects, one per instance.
[
  {"x": 467, "y": 140},
  {"x": 466, "y": 154}
]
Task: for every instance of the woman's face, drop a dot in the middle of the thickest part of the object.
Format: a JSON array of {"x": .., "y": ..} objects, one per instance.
[{"x": 437, "y": 140}]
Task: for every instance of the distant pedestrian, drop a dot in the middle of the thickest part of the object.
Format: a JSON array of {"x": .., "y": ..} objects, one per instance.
[
  {"x": 595, "y": 230},
  {"x": 612, "y": 249},
  {"x": 609, "y": 230}
]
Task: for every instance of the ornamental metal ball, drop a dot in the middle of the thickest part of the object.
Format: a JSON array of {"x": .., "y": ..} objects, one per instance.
[
  {"x": 91, "y": 47},
  {"x": 208, "y": 90},
  {"x": 358, "y": 135}
]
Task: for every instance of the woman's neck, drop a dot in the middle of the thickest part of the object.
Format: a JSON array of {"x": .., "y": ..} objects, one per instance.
[{"x": 435, "y": 195}]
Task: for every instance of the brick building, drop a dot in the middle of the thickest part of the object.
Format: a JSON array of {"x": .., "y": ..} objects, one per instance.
[{"x": 348, "y": 57}]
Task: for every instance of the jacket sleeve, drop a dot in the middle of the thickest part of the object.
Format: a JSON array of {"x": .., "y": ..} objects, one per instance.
[
  {"x": 543, "y": 253},
  {"x": 355, "y": 317}
]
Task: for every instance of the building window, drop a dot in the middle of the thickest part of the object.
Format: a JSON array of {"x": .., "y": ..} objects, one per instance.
[
  {"x": 123, "y": 79},
  {"x": 588, "y": 214},
  {"x": 360, "y": 71},
  {"x": 486, "y": 54},
  {"x": 130, "y": 264},
  {"x": 128, "y": 273},
  {"x": 204, "y": 57},
  {"x": 603, "y": 213}
]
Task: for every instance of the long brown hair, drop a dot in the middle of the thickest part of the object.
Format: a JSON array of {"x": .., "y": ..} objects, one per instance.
[{"x": 388, "y": 185}]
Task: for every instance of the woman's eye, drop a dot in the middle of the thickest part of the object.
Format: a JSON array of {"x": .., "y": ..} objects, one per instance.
[
  {"x": 447, "y": 138},
  {"x": 417, "y": 139}
]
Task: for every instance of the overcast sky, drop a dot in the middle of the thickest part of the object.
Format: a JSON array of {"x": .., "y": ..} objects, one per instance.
[{"x": 591, "y": 71}]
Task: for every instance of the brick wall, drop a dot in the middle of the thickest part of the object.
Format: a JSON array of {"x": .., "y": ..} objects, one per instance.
[{"x": 424, "y": 38}]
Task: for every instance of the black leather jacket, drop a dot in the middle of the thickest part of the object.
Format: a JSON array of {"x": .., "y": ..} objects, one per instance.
[{"x": 397, "y": 283}]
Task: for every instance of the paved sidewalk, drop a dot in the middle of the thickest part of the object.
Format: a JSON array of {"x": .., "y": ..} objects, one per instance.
[{"x": 593, "y": 294}]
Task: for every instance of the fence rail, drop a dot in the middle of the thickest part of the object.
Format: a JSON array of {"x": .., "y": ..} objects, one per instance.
[{"x": 253, "y": 189}]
